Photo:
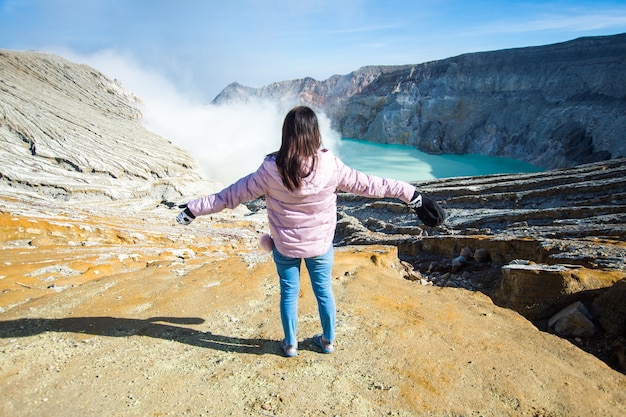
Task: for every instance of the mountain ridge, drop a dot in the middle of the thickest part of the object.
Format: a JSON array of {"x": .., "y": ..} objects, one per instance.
[{"x": 554, "y": 106}]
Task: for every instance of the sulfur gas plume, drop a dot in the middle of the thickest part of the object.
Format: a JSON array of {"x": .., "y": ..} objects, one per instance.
[{"x": 228, "y": 141}]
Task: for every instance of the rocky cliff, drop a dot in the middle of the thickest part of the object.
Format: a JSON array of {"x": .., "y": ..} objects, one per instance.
[
  {"x": 69, "y": 132},
  {"x": 554, "y": 106}
]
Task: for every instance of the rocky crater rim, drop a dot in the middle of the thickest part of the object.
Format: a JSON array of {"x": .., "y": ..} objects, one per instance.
[{"x": 554, "y": 106}]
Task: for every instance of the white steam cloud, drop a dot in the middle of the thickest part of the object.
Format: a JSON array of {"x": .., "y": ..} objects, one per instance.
[{"x": 228, "y": 141}]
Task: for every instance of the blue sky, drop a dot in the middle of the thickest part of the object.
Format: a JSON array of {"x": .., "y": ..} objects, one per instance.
[
  {"x": 177, "y": 55},
  {"x": 201, "y": 46}
]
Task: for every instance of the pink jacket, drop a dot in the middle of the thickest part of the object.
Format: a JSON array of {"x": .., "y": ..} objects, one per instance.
[{"x": 302, "y": 222}]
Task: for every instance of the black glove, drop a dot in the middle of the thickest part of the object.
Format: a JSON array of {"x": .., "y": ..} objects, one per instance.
[
  {"x": 429, "y": 211},
  {"x": 186, "y": 216}
]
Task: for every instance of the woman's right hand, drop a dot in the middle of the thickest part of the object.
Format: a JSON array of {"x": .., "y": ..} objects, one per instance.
[{"x": 186, "y": 216}]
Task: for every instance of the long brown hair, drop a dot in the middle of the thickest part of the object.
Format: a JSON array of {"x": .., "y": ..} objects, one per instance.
[{"x": 301, "y": 140}]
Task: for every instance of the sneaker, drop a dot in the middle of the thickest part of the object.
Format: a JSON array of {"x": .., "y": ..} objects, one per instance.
[
  {"x": 289, "y": 350},
  {"x": 327, "y": 346}
]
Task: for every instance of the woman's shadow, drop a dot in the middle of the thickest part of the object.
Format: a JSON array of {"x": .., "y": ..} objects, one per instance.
[{"x": 158, "y": 327}]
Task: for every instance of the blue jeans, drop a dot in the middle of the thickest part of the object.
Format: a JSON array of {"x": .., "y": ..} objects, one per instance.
[{"x": 319, "y": 268}]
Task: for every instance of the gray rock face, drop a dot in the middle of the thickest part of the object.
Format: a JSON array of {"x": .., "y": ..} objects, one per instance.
[
  {"x": 69, "y": 132},
  {"x": 554, "y": 106}
]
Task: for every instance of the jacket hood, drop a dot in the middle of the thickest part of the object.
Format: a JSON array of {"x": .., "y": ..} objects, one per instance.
[{"x": 319, "y": 178}]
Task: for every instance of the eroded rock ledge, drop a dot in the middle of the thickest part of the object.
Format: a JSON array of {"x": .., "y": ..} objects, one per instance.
[
  {"x": 536, "y": 243},
  {"x": 70, "y": 133}
]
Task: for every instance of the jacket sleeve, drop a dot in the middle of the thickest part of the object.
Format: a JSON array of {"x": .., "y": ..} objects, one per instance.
[
  {"x": 246, "y": 189},
  {"x": 366, "y": 185}
]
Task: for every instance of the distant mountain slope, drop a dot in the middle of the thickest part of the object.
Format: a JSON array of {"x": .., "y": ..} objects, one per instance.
[
  {"x": 555, "y": 106},
  {"x": 67, "y": 131}
]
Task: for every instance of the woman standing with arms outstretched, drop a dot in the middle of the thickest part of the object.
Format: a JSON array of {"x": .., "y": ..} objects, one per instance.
[{"x": 299, "y": 183}]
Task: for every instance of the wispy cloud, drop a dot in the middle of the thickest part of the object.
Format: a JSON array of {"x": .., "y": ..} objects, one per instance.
[
  {"x": 580, "y": 23},
  {"x": 572, "y": 21},
  {"x": 362, "y": 29}
]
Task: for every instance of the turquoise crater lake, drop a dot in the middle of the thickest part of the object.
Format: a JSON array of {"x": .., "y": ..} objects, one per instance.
[{"x": 409, "y": 164}]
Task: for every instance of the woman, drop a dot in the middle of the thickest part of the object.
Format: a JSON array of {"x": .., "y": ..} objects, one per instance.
[{"x": 299, "y": 183}]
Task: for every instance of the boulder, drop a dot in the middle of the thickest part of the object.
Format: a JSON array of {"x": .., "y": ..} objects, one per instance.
[
  {"x": 536, "y": 291},
  {"x": 573, "y": 321}
]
